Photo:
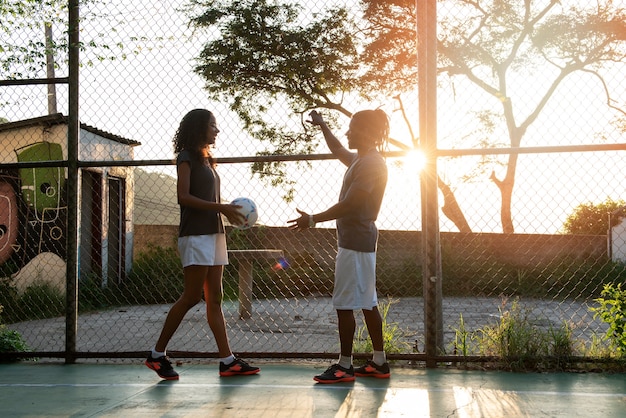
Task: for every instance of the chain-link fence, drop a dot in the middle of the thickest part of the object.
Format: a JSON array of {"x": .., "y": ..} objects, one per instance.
[{"x": 530, "y": 141}]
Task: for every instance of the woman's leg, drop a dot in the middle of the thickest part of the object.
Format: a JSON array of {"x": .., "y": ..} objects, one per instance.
[
  {"x": 192, "y": 294},
  {"x": 213, "y": 294}
]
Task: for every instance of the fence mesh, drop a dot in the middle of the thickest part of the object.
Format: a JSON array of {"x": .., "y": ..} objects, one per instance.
[{"x": 513, "y": 196}]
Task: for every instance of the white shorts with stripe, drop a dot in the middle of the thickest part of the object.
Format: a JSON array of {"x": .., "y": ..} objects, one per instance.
[
  {"x": 203, "y": 250},
  {"x": 355, "y": 280}
]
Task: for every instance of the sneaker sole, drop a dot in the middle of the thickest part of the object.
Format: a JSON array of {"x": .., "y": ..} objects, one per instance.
[
  {"x": 377, "y": 376},
  {"x": 228, "y": 374},
  {"x": 343, "y": 379},
  {"x": 147, "y": 363}
]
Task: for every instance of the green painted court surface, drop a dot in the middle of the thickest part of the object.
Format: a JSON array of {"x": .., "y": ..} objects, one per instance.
[{"x": 288, "y": 390}]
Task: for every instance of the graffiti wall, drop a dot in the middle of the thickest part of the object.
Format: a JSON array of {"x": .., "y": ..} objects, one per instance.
[{"x": 33, "y": 215}]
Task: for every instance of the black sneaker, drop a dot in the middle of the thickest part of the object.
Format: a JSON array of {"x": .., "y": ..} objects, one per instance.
[
  {"x": 162, "y": 366},
  {"x": 371, "y": 369},
  {"x": 336, "y": 374},
  {"x": 237, "y": 368}
]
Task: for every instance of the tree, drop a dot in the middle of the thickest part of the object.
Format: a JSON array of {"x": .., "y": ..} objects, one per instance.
[
  {"x": 24, "y": 47},
  {"x": 593, "y": 219},
  {"x": 486, "y": 42},
  {"x": 264, "y": 57}
]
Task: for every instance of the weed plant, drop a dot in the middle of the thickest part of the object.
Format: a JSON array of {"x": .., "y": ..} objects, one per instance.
[
  {"x": 392, "y": 334},
  {"x": 517, "y": 341}
]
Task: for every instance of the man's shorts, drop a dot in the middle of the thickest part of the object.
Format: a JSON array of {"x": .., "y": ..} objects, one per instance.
[
  {"x": 355, "y": 280},
  {"x": 203, "y": 250}
]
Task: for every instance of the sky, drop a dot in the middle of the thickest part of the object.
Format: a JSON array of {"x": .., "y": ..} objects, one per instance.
[{"x": 144, "y": 97}]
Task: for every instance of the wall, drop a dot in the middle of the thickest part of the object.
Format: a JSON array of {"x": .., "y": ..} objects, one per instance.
[{"x": 519, "y": 249}]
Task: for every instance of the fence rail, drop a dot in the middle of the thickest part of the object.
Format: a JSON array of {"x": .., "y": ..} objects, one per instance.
[{"x": 478, "y": 260}]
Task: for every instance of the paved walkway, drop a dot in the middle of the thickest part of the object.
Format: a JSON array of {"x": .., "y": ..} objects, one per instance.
[
  {"x": 287, "y": 390},
  {"x": 289, "y": 325}
]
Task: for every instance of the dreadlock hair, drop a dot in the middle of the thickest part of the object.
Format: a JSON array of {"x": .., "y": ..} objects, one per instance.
[
  {"x": 192, "y": 135},
  {"x": 376, "y": 124}
]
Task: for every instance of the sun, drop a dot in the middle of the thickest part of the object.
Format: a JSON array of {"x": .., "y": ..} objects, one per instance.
[
  {"x": 406, "y": 170},
  {"x": 414, "y": 161}
]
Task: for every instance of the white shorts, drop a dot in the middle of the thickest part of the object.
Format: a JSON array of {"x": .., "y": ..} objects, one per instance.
[
  {"x": 355, "y": 280},
  {"x": 203, "y": 250}
]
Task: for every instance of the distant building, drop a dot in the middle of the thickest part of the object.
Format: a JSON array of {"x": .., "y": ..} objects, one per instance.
[
  {"x": 33, "y": 208},
  {"x": 617, "y": 235}
]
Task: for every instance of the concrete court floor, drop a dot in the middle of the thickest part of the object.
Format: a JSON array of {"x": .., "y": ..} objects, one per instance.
[{"x": 287, "y": 389}]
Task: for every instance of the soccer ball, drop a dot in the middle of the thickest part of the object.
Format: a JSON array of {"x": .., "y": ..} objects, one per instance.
[{"x": 248, "y": 210}]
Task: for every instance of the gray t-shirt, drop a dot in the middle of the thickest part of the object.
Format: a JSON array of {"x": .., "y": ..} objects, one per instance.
[
  {"x": 358, "y": 231},
  {"x": 205, "y": 184}
]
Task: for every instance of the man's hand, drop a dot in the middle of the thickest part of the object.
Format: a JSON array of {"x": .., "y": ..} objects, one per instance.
[
  {"x": 316, "y": 118},
  {"x": 299, "y": 223}
]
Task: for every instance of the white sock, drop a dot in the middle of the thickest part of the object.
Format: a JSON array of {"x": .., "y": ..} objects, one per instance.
[
  {"x": 345, "y": 361},
  {"x": 379, "y": 358},
  {"x": 157, "y": 354},
  {"x": 228, "y": 360}
]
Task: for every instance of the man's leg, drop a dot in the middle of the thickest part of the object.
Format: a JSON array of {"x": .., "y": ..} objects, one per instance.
[
  {"x": 347, "y": 327},
  {"x": 374, "y": 323}
]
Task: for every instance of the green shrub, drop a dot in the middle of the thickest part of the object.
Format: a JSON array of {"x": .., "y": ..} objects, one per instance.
[
  {"x": 92, "y": 295},
  {"x": 9, "y": 299},
  {"x": 38, "y": 301},
  {"x": 42, "y": 300},
  {"x": 11, "y": 341},
  {"x": 612, "y": 310},
  {"x": 156, "y": 277}
]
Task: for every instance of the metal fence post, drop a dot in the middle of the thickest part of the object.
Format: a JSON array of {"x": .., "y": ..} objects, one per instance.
[
  {"x": 73, "y": 132},
  {"x": 431, "y": 253}
]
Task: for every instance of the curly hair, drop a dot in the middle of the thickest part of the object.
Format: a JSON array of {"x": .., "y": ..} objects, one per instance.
[{"x": 192, "y": 134}]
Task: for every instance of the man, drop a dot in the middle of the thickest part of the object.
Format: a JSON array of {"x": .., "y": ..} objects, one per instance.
[{"x": 357, "y": 236}]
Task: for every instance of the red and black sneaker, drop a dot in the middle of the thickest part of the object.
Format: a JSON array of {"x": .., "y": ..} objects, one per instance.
[
  {"x": 237, "y": 368},
  {"x": 371, "y": 369},
  {"x": 336, "y": 374},
  {"x": 162, "y": 366}
]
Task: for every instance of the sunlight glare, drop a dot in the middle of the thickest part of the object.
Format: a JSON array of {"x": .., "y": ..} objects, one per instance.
[{"x": 414, "y": 161}]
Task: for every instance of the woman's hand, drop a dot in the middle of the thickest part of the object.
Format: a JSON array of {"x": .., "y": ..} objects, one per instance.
[{"x": 232, "y": 214}]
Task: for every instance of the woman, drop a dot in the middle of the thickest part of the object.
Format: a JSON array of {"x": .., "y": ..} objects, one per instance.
[{"x": 201, "y": 242}]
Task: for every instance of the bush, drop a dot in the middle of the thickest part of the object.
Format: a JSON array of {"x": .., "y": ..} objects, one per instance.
[
  {"x": 11, "y": 341},
  {"x": 157, "y": 277},
  {"x": 38, "y": 301},
  {"x": 612, "y": 310},
  {"x": 42, "y": 300}
]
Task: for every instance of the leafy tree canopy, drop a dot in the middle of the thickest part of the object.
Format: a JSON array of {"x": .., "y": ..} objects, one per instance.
[
  {"x": 24, "y": 45},
  {"x": 593, "y": 218},
  {"x": 272, "y": 55}
]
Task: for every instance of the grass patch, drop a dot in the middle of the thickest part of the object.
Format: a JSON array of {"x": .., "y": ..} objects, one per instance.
[
  {"x": 518, "y": 341},
  {"x": 392, "y": 334}
]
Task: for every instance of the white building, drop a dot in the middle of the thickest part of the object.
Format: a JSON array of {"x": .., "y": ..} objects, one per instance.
[{"x": 33, "y": 208}]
